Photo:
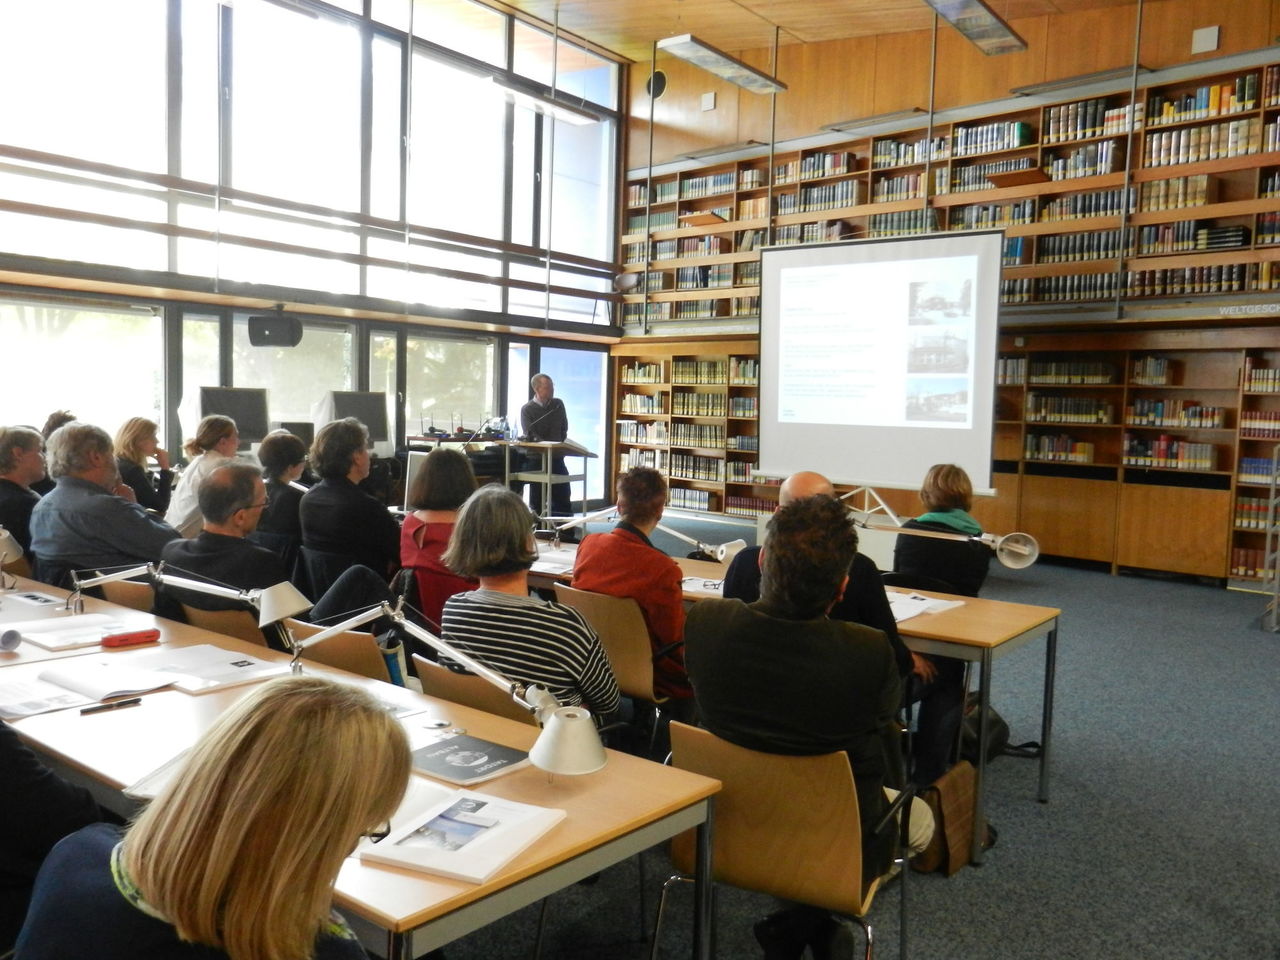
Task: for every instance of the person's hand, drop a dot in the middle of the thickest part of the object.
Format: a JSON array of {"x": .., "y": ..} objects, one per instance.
[
  {"x": 125, "y": 491},
  {"x": 923, "y": 668},
  {"x": 162, "y": 458}
]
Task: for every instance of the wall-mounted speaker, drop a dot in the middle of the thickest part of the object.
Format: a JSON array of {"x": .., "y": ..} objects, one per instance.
[{"x": 275, "y": 330}]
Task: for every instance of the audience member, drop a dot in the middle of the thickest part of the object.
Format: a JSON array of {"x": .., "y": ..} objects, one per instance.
[
  {"x": 947, "y": 495},
  {"x": 89, "y": 520},
  {"x": 55, "y": 420},
  {"x": 545, "y": 418},
  {"x": 623, "y": 563},
  {"x": 21, "y": 465},
  {"x": 231, "y": 500},
  {"x": 238, "y": 855},
  {"x": 136, "y": 442},
  {"x": 441, "y": 485},
  {"x": 779, "y": 676},
  {"x": 337, "y": 516},
  {"x": 283, "y": 457},
  {"x": 214, "y": 444},
  {"x": 37, "y": 809},
  {"x": 522, "y": 637}
]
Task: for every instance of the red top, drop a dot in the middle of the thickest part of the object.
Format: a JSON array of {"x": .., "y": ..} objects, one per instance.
[
  {"x": 622, "y": 563},
  {"x": 421, "y": 545}
]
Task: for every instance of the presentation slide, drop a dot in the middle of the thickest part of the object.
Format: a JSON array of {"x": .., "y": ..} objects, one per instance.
[{"x": 877, "y": 358}]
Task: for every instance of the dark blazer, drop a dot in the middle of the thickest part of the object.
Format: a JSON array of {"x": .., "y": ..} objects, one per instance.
[
  {"x": 232, "y": 561},
  {"x": 16, "y": 504},
  {"x": 338, "y": 517},
  {"x": 963, "y": 564},
  {"x": 153, "y": 496}
]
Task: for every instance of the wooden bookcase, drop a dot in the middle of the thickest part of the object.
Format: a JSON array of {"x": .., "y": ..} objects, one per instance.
[{"x": 1175, "y": 194}]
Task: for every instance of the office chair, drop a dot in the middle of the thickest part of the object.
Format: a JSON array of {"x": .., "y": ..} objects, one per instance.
[
  {"x": 468, "y": 690},
  {"x": 130, "y": 593}
]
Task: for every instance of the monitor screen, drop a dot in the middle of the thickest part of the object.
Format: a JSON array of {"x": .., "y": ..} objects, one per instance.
[
  {"x": 370, "y": 408},
  {"x": 247, "y": 406}
]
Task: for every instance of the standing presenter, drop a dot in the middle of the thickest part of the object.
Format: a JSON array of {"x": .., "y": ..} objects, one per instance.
[{"x": 544, "y": 419}]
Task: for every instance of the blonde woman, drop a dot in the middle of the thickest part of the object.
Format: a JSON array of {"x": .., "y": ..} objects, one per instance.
[
  {"x": 238, "y": 855},
  {"x": 214, "y": 444},
  {"x": 137, "y": 441}
]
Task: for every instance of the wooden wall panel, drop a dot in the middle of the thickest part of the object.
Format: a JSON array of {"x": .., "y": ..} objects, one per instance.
[
  {"x": 1070, "y": 517},
  {"x": 1167, "y": 25},
  {"x": 828, "y": 82},
  {"x": 901, "y": 72},
  {"x": 999, "y": 514},
  {"x": 1088, "y": 41},
  {"x": 1202, "y": 529},
  {"x": 967, "y": 75},
  {"x": 679, "y": 124}
]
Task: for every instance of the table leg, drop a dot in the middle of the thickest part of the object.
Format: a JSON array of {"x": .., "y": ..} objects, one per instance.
[
  {"x": 398, "y": 947},
  {"x": 1046, "y": 717},
  {"x": 979, "y": 780},
  {"x": 704, "y": 918}
]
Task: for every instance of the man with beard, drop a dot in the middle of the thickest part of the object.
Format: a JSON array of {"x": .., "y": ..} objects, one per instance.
[{"x": 90, "y": 520}]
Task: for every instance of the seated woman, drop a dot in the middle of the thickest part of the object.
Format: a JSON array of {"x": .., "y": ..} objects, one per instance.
[
  {"x": 284, "y": 458},
  {"x": 136, "y": 442},
  {"x": 341, "y": 523},
  {"x": 947, "y": 495},
  {"x": 214, "y": 444},
  {"x": 440, "y": 487},
  {"x": 238, "y": 854},
  {"x": 522, "y": 637}
]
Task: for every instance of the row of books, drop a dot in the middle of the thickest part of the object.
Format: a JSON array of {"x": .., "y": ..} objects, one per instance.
[
  {"x": 1271, "y": 86},
  {"x": 1211, "y": 100},
  {"x": 827, "y": 196},
  {"x": 1014, "y": 252},
  {"x": 697, "y": 278},
  {"x": 687, "y": 404},
  {"x": 1087, "y": 118},
  {"x": 1092, "y": 245},
  {"x": 1255, "y": 470},
  {"x": 898, "y": 153},
  {"x": 1187, "y": 235},
  {"x": 742, "y": 442},
  {"x": 1260, "y": 424},
  {"x": 748, "y": 274},
  {"x": 1195, "y": 144},
  {"x": 1152, "y": 371},
  {"x": 906, "y": 186},
  {"x": 684, "y": 499},
  {"x": 644, "y": 403},
  {"x": 633, "y": 313},
  {"x": 1251, "y": 513},
  {"x": 974, "y": 176},
  {"x": 979, "y": 216},
  {"x": 1168, "y": 412},
  {"x": 1179, "y": 192},
  {"x": 903, "y": 223},
  {"x": 1249, "y": 563},
  {"x": 642, "y": 372},
  {"x": 749, "y": 506},
  {"x": 1268, "y": 228},
  {"x": 653, "y": 459},
  {"x": 1059, "y": 448},
  {"x": 656, "y": 220},
  {"x": 1011, "y": 371},
  {"x": 1095, "y": 203},
  {"x": 744, "y": 371},
  {"x": 813, "y": 166},
  {"x": 687, "y": 466},
  {"x": 709, "y": 436},
  {"x": 1270, "y": 186},
  {"x": 744, "y": 307},
  {"x": 822, "y": 231},
  {"x": 1223, "y": 278},
  {"x": 708, "y": 185},
  {"x": 744, "y": 407},
  {"x": 1069, "y": 372},
  {"x": 688, "y": 372},
  {"x": 753, "y": 208},
  {"x": 1079, "y": 286},
  {"x": 697, "y": 309},
  {"x": 1260, "y": 379},
  {"x": 752, "y": 178},
  {"x": 1168, "y": 453},
  {"x": 738, "y": 471},
  {"x": 1090, "y": 160},
  {"x": 1042, "y": 408},
  {"x": 633, "y": 431},
  {"x": 987, "y": 137}
]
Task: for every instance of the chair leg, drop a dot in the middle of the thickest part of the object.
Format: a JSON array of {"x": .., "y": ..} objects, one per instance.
[
  {"x": 542, "y": 922},
  {"x": 662, "y": 905},
  {"x": 866, "y": 932},
  {"x": 640, "y": 897},
  {"x": 653, "y": 732}
]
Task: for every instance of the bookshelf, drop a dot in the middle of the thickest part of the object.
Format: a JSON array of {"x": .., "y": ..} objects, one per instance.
[{"x": 1175, "y": 194}]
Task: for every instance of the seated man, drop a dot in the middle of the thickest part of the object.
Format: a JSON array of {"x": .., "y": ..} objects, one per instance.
[
  {"x": 779, "y": 676},
  {"x": 231, "y": 500},
  {"x": 21, "y": 465},
  {"x": 623, "y": 563},
  {"x": 90, "y": 521}
]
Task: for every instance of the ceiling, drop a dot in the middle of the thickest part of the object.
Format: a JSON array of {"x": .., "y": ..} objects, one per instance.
[{"x": 629, "y": 27}]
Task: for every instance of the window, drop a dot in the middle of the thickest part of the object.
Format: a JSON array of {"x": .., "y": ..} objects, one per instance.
[
  {"x": 382, "y": 375},
  {"x": 201, "y": 339},
  {"x": 297, "y": 378},
  {"x": 448, "y": 383},
  {"x": 580, "y": 379}
]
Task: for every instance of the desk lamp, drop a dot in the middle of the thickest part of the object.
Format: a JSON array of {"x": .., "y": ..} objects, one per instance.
[
  {"x": 717, "y": 552},
  {"x": 1014, "y": 550},
  {"x": 10, "y": 549},
  {"x": 272, "y": 603},
  {"x": 580, "y": 521},
  {"x": 568, "y": 744}
]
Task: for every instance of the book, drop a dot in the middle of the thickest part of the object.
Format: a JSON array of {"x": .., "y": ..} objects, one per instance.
[
  {"x": 465, "y": 836},
  {"x": 62, "y": 633},
  {"x": 75, "y": 682},
  {"x": 204, "y": 667},
  {"x": 465, "y": 760}
]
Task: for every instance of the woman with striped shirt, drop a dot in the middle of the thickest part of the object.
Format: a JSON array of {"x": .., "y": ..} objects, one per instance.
[{"x": 522, "y": 637}]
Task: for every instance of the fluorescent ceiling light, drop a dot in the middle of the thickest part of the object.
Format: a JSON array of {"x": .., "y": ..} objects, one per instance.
[
  {"x": 727, "y": 148},
  {"x": 980, "y": 25},
  {"x": 879, "y": 119},
  {"x": 548, "y": 105},
  {"x": 1066, "y": 83},
  {"x": 701, "y": 54}
]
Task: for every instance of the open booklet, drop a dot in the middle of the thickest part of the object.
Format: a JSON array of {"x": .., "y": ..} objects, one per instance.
[
  {"x": 460, "y": 834},
  {"x": 203, "y": 667},
  {"x": 908, "y": 605},
  {"x": 77, "y": 681}
]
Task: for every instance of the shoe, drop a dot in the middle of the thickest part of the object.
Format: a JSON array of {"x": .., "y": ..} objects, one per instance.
[
  {"x": 835, "y": 940},
  {"x": 781, "y": 936},
  {"x": 991, "y": 838}
]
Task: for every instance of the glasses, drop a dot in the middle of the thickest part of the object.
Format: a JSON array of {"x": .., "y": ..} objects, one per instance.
[
  {"x": 256, "y": 506},
  {"x": 380, "y": 834}
]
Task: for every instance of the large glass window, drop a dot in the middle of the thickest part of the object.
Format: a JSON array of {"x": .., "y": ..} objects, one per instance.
[
  {"x": 382, "y": 375},
  {"x": 201, "y": 338},
  {"x": 297, "y": 378},
  {"x": 464, "y": 26},
  {"x": 104, "y": 364},
  {"x": 580, "y": 379},
  {"x": 448, "y": 383}
]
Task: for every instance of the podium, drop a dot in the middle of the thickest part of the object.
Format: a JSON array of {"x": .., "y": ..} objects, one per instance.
[{"x": 544, "y": 476}]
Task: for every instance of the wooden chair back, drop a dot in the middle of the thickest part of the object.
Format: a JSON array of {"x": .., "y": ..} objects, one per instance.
[
  {"x": 620, "y": 626},
  {"x": 468, "y": 690},
  {"x": 351, "y": 651},
  {"x": 785, "y": 826},
  {"x": 229, "y": 623},
  {"x": 130, "y": 593},
  {"x": 19, "y": 568}
]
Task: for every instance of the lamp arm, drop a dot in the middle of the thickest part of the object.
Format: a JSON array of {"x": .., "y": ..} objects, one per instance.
[
  {"x": 706, "y": 548},
  {"x": 532, "y": 697},
  {"x": 127, "y": 574},
  {"x": 351, "y": 623},
  {"x": 203, "y": 586},
  {"x": 585, "y": 518}
]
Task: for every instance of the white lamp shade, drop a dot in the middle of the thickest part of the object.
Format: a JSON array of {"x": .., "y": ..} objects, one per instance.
[
  {"x": 280, "y": 601},
  {"x": 10, "y": 548},
  {"x": 569, "y": 744},
  {"x": 727, "y": 551}
]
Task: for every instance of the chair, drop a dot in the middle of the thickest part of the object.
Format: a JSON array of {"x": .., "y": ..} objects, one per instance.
[
  {"x": 352, "y": 651},
  {"x": 785, "y": 826},
  {"x": 319, "y": 570},
  {"x": 18, "y": 568},
  {"x": 468, "y": 690},
  {"x": 130, "y": 593},
  {"x": 229, "y": 623}
]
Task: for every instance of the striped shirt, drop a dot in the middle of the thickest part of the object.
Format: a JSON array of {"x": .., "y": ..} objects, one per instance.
[{"x": 533, "y": 641}]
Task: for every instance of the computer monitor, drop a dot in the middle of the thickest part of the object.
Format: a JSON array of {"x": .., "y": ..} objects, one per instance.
[
  {"x": 369, "y": 407},
  {"x": 416, "y": 459},
  {"x": 304, "y": 430},
  {"x": 247, "y": 406}
]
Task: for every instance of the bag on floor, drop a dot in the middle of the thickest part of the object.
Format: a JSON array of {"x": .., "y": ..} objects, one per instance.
[
  {"x": 997, "y": 744},
  {"x": 950, "y": 797}
]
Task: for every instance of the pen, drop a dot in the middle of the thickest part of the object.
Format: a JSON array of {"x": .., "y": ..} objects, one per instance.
[{"x": 98, "y": 708}]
